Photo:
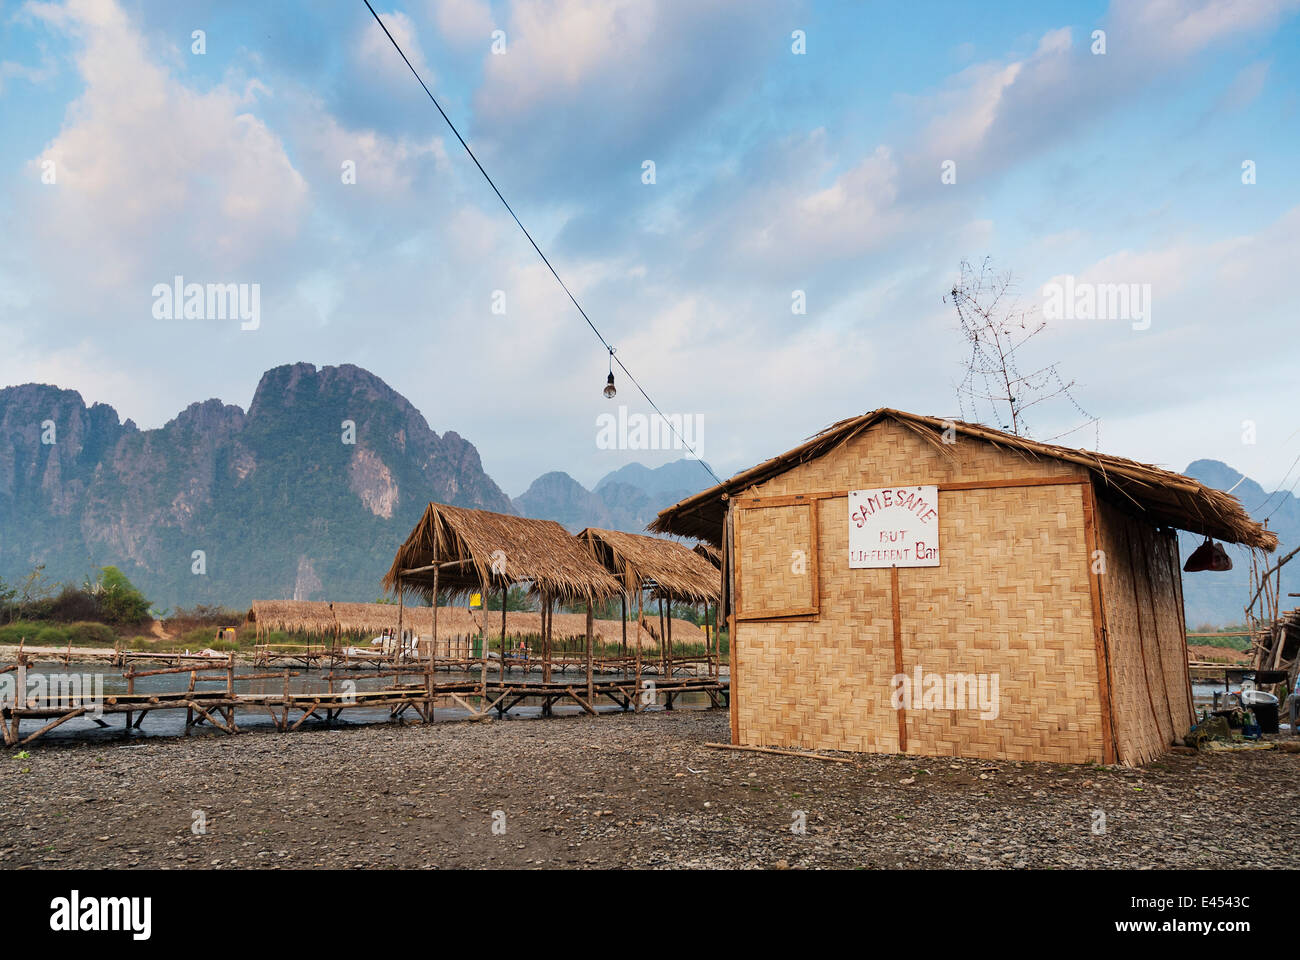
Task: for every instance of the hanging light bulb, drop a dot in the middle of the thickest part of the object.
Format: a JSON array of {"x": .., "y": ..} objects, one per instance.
[{"x": 610, "y": 389}]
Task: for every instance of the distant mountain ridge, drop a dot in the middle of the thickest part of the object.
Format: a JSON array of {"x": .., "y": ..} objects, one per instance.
[
  {"x": 306, "y": 494},
  {"x": 625, "y": 499},
  {"x": 1219, "y": 599}
]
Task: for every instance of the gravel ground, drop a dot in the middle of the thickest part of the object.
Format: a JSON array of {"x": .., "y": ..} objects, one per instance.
[{"x": 618, "y": 791}]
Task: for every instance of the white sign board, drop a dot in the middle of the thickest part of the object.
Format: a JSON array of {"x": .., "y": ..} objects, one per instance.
[{"x": 894, "y": 527}]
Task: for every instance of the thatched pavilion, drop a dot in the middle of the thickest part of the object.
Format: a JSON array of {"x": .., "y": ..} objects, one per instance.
[
  {"x": 321, "y": 618},
  {"x": 458, "y": 550},
  {"x": 892, "y": 548},
  {"x": 669, "y": 570}
]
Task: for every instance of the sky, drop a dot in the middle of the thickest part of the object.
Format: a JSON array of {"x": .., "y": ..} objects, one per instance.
[{"x": 846, "y": 155}]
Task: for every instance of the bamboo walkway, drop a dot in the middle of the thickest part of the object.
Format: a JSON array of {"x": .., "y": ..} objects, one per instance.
[{"x": 413, "y": 689}]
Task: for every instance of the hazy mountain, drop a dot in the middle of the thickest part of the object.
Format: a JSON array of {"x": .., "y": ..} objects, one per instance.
[
  {"x": 310, "y": 491},
  {"x": 307, "y": 494},
  {"x": 1219, "y": 598},
  {"x": 614, "y": 506},
  {"x": 668, "y": 483}
]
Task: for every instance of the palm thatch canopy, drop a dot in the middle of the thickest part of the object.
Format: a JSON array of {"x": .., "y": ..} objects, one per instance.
[
  {"x": 323, "y": 618},
  {"x": 473, "y": 548},
  {"x": 1167, "y": 498},
  {"x": 292, "y": 616},
  {"x": 666, "y": 567},
  {"x": 710, "y": 553}
]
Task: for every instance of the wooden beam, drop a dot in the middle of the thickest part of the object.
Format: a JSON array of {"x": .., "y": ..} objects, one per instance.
[
  {"x": 780, "y": 753},
  {"x": 1109, "y": 745},
  {"x": 898, "y": 652}
]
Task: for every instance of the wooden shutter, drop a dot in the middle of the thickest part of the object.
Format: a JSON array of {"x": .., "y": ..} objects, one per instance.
[{"x": 776, "y": 561}]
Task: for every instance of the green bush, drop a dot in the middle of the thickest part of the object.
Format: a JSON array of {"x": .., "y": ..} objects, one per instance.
[
  {"x": 82, "y": 634},
  {"x": 119, "y": 600}
]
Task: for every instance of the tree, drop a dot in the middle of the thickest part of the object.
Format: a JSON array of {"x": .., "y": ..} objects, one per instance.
[
  {"x": 8, "y": 593},
  {"x": 996, "y": 327},
  {"x": 516, "y": 599},
  {"x": 119, "y": 600}
]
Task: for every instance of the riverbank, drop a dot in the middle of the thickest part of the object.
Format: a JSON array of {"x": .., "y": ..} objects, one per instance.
[{"x": 622, "y": 791}]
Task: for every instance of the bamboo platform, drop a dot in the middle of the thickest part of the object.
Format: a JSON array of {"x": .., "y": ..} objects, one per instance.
[
  {"x": 419, "y": 694},
  {"x": 1206, "y": 670}
]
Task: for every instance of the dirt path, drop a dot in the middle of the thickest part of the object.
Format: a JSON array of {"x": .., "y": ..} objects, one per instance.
[{"x": 619, "y": 791}]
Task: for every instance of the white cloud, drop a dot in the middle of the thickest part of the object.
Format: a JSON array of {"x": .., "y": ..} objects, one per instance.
[
  {"x": 1178, "y": 28},
  {"x": 464, "y": 22},
  {"x": 384, "y": 165},
  {"x": 374, "y": 51},
  {"x": 142, "y": 160}
]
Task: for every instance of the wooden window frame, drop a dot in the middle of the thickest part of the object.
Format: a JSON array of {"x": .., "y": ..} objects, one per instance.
[{"x": 809, "y": 613}]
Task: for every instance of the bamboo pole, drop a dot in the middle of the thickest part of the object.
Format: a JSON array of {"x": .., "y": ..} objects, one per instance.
[
  {"x": 401, "y": 605},
  {"x": 482, "y": 633},
  {"x": 590, "y": 690},
  {"x": 780, "y": 753},
  {"x": 546, "y": 637},
  {"x": 622, "y": 604},
  {"x": 714, "y": 663},
  {"x": 504, "y": 591},
  {"x": 668, "y": 639},
  {"x": 640, "y": 617},
  {"x": 663, "y": 665}
]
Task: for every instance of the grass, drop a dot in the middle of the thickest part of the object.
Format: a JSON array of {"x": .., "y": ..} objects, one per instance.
[
  {"x": 47, "y": 634},
  {"x": 189, "y": 635},
  {"x": 577, "y": 647}
]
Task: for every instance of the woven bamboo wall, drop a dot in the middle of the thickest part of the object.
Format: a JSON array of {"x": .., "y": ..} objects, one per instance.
[
  {"x": 1145, "y": 639},
  {"x": 1010, "y": 598},
  {"x": 822, "y": 684},
  {"x": 890, "y": 453}
]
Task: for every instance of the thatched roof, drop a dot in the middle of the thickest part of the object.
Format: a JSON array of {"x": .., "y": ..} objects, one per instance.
[
  {"x": 292, "y": 616},
  {"x": 710, "y": 553},
  {"x": 1167, "y": 498},
  {"x": 668, "y": 568},
  {"x": 323, "y": 618},
  {"x": 476, "y": 547}
]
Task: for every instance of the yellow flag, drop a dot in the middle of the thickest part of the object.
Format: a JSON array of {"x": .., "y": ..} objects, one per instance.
[{"x": 475, "y": 600}]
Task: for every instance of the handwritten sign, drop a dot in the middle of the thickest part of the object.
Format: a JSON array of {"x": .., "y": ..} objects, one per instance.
[{"x": 894, "y": 527}]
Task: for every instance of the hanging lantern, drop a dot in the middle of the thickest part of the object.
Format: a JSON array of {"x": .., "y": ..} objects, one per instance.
[{"x": 610, "y": 389}]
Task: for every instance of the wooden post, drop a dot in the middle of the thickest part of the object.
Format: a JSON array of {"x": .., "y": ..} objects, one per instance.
[
  {"x": 622, "y": 603},
  {"x": 663, "y": 664},
  {"x": 590, "y": 682},
  {"x": 482, "y": 633},
  {"x": 400, "y": 610},
  {"x": 546, "y": 640},
  {"x": 640, "y": 615},
  {"x": 668, "y": 638},
  {"x": 433, "y": 644},
  {"x": 504, "y": 591},
  {"x": 715, "y": 661}
]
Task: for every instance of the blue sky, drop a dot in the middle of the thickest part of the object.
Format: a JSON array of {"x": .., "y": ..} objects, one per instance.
[{"x": 775, "y": 172}]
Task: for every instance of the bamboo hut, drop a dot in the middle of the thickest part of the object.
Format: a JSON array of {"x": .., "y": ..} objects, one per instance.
[
  {"x": 457, "y": 550},
  {"x": 893, "y": 556},
  {"x": 669, "y": 571}
]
